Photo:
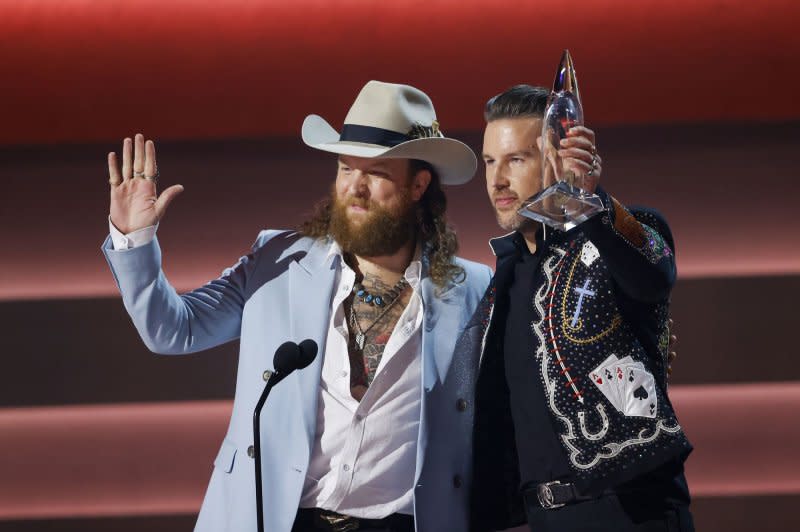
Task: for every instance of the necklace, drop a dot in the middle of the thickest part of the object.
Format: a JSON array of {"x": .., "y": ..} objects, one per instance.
[
  {"x": 361, "y": 334},
  {"x": 380, "y": 299}
]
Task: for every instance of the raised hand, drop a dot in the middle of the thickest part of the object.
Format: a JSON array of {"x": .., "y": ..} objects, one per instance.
[
  {"x": 134, "y": 200},
  {"x": 579, "y": 154}
]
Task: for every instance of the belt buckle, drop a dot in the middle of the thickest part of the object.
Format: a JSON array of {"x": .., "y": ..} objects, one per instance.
[
  {"x": 545, "y": 495},
  {"x": 341, "y": 523}
]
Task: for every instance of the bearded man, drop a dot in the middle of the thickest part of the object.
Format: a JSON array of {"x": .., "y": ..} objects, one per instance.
[{"x": 375, "y": 434}]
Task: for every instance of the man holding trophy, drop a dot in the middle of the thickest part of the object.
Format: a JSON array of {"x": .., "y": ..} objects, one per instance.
[{"x": 574, "y": 429}]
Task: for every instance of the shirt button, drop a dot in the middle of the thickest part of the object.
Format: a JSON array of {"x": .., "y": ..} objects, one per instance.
[
  {"x": 344, "y": 374},
  {"x": 251, "y": 451},
  {"x": 359, "y": 416},
  {"x": 346, "y": 467},
  {"x": 457, "y": 481},
  {"x": 461, "y": 405},
  {"x": 266, "y": 375}
]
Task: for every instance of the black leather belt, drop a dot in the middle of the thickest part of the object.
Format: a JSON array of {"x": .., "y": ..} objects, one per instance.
[
  {"x": 315, "y": 519},
  {"x": 555, "y": 494}
]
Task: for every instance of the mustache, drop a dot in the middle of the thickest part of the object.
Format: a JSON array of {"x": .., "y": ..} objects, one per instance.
[
  {"x": 358, "y": 202},
  {"x": 504, "y": 196}
]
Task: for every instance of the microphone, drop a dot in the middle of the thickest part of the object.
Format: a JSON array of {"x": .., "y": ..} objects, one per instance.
[{"x": 288, "y": 357}]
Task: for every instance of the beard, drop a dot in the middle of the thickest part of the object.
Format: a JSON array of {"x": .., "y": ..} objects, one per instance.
[
  {"x": 511, "y": 220},
  {"x": 382, "y": 231}
]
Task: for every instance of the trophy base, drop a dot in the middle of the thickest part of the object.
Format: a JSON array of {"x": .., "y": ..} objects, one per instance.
[{"x": 562, "y": 206}]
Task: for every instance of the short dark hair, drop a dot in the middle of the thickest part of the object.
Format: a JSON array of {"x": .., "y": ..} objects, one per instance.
[{"x": 516, "y": 102}]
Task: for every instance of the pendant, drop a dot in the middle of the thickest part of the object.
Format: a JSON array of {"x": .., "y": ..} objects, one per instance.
[{"x": 360, "y": 338}]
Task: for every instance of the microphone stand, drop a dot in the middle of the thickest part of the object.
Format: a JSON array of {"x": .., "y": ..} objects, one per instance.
[
  {"x": 288, "y": 358},
  {"x": 273, "y": 380}
]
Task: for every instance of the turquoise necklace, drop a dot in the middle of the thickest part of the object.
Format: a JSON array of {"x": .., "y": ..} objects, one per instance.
[{"x": 380, "y": 300}]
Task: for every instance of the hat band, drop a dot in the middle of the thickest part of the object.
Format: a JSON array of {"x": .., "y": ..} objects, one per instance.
[{"x": 372, "y": 135}]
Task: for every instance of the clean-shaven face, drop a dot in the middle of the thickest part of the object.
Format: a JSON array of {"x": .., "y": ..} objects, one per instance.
[{"x": 513, "y": 166}]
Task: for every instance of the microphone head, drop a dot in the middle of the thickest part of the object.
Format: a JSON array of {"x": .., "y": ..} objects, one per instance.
[
  {"x": 286, "y": 358},
  {"x": 308, "y": 352}
]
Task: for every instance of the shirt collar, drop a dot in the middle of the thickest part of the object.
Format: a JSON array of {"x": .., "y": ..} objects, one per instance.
[{"x": 414, "y": 271}]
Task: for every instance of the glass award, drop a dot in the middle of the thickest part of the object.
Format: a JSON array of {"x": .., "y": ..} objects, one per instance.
[{"x": 562, "y": 203}]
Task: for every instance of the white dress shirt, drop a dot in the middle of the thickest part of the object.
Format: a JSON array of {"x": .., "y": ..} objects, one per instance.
[
  {"x": 363, "y": 462},
  {"x": 364, "y": 457}
]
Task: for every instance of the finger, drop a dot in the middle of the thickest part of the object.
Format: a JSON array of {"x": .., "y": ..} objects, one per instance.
[
  {"x": 166, "y": 198},
  {"x": 578, "y": 166},
  {"x": 114, "y": 177},
  {"x": 150, "y": 166},
  {"x": 127, "y": 158},
  {"x": 577, "y": 153},
  {"x": 576, "y": 142},
  {"x": 138, "y": 154},
  {"x": 581, "y": 131}
]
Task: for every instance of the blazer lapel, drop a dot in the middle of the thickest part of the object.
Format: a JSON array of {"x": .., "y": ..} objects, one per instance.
[
  {"x": 443, "y": 318},
  {"x": 311, "y": 285}
]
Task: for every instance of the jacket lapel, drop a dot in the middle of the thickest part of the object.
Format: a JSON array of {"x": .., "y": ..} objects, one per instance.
[
  {"x": 442, "y": 323},
  {"x": 311, "y": 285}
]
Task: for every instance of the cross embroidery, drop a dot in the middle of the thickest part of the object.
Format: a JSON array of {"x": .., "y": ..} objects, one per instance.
[{"x": 581, "y": 292}]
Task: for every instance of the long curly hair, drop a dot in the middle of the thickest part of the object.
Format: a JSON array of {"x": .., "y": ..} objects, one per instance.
[{"x": 438, "y": 239}]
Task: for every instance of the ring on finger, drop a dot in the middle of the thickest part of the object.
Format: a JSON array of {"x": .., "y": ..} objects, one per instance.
[
  {"x": 138, "y": 174},
  {"x": 153, "y": 178},
  {"x": 594, "y": 165}
]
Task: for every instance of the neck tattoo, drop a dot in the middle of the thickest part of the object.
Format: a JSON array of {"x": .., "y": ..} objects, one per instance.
[
  {"x": 380, "y": 299},
  {"x": 361, "y": 334}
]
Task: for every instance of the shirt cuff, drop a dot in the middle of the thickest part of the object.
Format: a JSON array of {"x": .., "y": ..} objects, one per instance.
[{"x": 134, "y": 239}]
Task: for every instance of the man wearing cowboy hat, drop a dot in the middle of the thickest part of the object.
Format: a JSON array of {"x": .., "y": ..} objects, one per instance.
[
  {"x": 573, "y": 426},
  {"x": 375, "y": 434}
]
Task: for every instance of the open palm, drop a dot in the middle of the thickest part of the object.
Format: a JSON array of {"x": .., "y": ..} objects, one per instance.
[{"x": 134, "y": 200}]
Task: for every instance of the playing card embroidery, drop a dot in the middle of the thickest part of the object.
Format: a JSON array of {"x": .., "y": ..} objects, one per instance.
[
  {"x": 589, "y": 254},
  {"x": 627, "y": 386}
]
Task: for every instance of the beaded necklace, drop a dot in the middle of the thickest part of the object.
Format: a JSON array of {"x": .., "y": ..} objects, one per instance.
[{"x": 390, "y": 298}]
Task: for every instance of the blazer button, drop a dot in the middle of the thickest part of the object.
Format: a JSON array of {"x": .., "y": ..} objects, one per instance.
[
  {"x": 457, "y": 481},
  {"x": 251, "y": 451},
  {"x": 267, "y": 374},
  {"x": 461, "y": 405}
]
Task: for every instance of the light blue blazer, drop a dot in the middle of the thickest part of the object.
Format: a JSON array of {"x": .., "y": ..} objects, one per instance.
[{"x": 283, "y": 291}]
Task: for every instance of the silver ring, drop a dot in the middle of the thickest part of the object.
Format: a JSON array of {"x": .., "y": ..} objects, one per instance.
[
  {"x": 138, "y": 174},
  {"x": 153, "y": 178},
  {"x": 590, "y": 173}
]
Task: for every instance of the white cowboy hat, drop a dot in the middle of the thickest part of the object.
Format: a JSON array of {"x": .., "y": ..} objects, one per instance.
[{"x": 394, "y": 121}]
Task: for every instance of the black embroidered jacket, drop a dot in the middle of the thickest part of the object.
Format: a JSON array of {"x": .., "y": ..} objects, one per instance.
[{"x": 605, "y": 292}]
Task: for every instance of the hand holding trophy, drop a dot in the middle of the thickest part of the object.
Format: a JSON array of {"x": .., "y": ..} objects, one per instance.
[{"x": 565, "y": 200}]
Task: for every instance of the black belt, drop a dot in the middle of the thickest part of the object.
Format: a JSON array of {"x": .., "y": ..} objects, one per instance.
[
  {"x": 555, "y": 494},
  {"x": 314, "y": 519}
]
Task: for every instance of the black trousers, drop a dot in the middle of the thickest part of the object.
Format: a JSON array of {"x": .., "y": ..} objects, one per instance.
[
  {"x": 612, "y": 513},
  {"x": 313, "y": 520}
]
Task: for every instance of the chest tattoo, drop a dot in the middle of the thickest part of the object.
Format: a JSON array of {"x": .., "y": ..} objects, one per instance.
[{"x": 370, "y": 328}]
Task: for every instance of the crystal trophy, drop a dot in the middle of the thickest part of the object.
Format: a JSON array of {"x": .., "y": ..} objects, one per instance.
[{"x": 562, "y": 203}]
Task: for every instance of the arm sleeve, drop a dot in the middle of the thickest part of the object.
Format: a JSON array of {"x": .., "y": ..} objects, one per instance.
[
  {"x": 176, "y": 324},
  {"x": 133, "y": 239},
  {"x": 638, "y": 248}
]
